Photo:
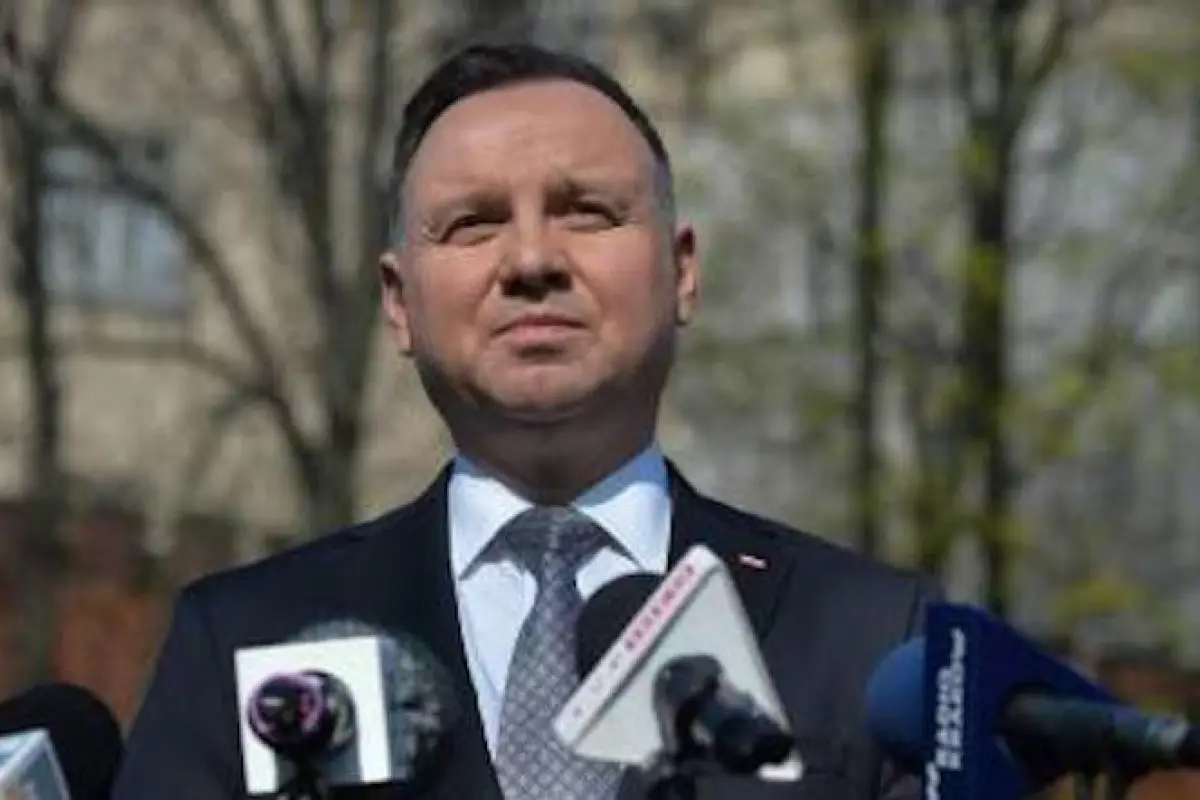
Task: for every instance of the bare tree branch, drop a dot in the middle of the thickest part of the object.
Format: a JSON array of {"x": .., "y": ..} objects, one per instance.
[
  {"x": 208, "y": 258},
  {"x": 375, "y": 123},
  {"x": 267, "y": 115},
  {"x": 965, "y": 74},
  {"x": 62, "y": 22},
  {"x": 372, "y": 186},
  {"x": 1066, "y": 26},
  {"x": 283, "y": 56},
  {"x": 183, "y": 351}
]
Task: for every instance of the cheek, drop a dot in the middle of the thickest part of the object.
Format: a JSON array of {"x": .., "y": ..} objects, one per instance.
[
  {"x": 635, "y": 286},
  {"x": 447, "y": 301}
]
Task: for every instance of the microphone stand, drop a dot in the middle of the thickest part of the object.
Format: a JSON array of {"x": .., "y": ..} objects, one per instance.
[
  {"x": 672, "y": 777},
  {"x": 1120, "y": 782},
  {"x": 676, "y": 788},
  {"x": 307, "y": 784},
  {"x": 1117, "y": 785}
]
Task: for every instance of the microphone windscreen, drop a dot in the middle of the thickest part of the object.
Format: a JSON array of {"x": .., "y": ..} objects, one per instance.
[
  {"x": 83, "y": 731},
  {"x": 895, "y": 704},
  {"x": 605, "y": 615},
  {"x": 420, "y": 702}
]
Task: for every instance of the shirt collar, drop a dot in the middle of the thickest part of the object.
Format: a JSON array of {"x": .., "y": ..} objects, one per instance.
[{"x": 632, "y": 504}]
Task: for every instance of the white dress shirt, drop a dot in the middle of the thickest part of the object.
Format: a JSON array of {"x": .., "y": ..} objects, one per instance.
[{"x": 495, "y": 593}]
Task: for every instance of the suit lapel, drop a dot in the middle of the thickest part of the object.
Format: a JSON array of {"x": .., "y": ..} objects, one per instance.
[
  {"x": 400, "y": 579},
  {"x": 756, "y": 560}
]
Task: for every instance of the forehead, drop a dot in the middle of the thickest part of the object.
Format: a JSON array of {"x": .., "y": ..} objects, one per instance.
[{"x": 526, "y": 131}]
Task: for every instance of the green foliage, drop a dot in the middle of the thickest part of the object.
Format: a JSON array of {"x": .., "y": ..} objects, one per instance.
[{"x": 1100, "y": 593}]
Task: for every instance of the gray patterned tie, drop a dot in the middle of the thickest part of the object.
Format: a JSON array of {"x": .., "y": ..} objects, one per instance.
[{"x": 531, "y": 763}]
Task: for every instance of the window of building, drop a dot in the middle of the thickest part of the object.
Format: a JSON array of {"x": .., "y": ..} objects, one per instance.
[{"x": 103, "y": 246}]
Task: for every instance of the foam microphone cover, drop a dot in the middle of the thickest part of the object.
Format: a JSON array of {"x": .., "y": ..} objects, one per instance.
[
  {"x": 895, "y": 704},
  {"x": 86, "y": 736},
  {"x": 897, "y": 709},
  {"x": 605, "y": 615},
  {"x": 419, "y": 701}
]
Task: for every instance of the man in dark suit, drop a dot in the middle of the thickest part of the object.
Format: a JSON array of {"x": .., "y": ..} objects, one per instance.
[{"x": 537, "y": 278}]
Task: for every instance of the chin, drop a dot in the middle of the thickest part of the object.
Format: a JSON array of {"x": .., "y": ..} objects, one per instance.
[
  {"x": 542, "y": 412},
  {"x": 542, "y": 407}
]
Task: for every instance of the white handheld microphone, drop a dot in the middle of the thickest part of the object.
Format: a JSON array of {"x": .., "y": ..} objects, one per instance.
[
  {"x": 29, "y": 767},
  {"x": 343, "y": 703},
  {"x": 683, "y": 677}
]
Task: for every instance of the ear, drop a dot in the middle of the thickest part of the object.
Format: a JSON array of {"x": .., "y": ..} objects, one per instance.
[
  {"x": 395, "y": 307},
  {"x": 687, "y": 273}
]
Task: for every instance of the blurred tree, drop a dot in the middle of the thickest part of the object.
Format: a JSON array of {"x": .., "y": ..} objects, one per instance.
[
  {"x": 1111, "y": 431},
  {"x": 35, "y": 42},
  {"x": 999, "y": 75},
  {"x": 316, "y": 86},
  {"x": 762, "y": 380},
  {"x": 873, "y": 23},
  {"x": 464, "y": 21},
  {"x": 680, "y": 36},
  {"x": 288, "y": 69},
  {"x": 1143, "y": 517}
]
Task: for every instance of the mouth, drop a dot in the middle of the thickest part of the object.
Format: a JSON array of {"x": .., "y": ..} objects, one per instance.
[
  {"x": 546, "y": 323},
  {"x": 540, "y": 333}
]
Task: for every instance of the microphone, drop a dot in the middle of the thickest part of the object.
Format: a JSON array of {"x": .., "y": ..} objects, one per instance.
[
  {"x": 984, "y": 714},
  {"x": 607, "y": 613},
  {"x": 709, "y": 718},
  {"x": 303, "y": 715},
  {"x": 342, "y": 704},
  {"x": 675, "y": 681},
  {"x": 58, "y": 741}
]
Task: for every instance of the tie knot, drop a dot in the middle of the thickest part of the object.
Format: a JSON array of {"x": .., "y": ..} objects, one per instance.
[{"x": 550, "y": 538}]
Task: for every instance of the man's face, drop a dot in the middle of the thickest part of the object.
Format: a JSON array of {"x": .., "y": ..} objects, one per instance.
[{"x": 538, "y": 274}]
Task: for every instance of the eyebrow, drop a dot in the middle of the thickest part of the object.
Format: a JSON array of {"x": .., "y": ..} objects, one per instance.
[
  {"x": 481, "y": 197},
  {"x": 560, "y": 187},
  {"x": 572, "y": 186}
]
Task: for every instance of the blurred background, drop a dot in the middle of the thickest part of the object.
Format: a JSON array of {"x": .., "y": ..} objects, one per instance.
[{"x": 951, "y": 310}]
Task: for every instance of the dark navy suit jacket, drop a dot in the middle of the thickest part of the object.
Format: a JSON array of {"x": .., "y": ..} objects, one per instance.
[{"x": 824, "y": 617}]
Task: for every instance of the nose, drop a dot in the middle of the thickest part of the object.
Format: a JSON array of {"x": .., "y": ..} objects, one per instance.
[{"x": 534, "y": 264}]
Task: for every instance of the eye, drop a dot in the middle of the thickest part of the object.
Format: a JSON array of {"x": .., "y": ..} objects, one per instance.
[
  {"x": 590, "y": 216},
  {"x": 470, "y": 229}
]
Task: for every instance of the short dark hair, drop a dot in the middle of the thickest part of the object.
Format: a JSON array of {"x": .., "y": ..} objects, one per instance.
[{"x": 483, "y": 66}]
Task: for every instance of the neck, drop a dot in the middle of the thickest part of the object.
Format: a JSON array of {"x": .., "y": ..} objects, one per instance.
[{"x": 551, "y": 466}]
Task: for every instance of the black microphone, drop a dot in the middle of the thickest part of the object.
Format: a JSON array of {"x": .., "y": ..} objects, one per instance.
[
  {"x": 85, "y": 739},
  {"x": 704, "y": 718},
  {"x": 1076, "y": 730},
  {"x": 605, "y": 615},
  {"x": 302, "y": 716}
]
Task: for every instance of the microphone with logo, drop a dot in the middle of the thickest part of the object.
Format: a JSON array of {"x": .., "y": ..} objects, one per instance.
[
  {"x": 675, "y": 684},
  {"x": 983, "y": 714},
  {"x": 343, "y": 704},
  {"x": 58, "y": 741}
]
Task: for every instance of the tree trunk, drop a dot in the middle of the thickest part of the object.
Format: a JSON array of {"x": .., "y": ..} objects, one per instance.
[
  {"x": 45, "y": 482},
  {"x": 986, "y": 309},
  {"x": 873, "y": 78},
  {"x": 334, "y": 502}
]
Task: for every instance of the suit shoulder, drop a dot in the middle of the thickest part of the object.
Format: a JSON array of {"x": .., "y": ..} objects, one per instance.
[
  {"x": 822, "y": 556},
  {"x": 294, "y": 568}
]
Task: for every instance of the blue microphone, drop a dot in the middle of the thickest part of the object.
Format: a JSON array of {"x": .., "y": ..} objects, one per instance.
[{"x": 983, "y": 714}]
